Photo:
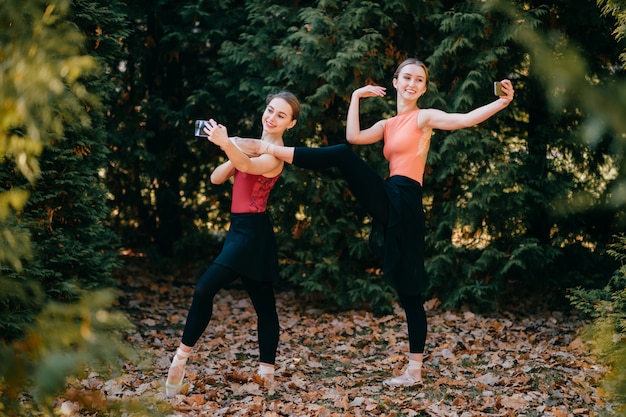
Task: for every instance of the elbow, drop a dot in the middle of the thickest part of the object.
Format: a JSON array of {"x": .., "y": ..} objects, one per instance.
[
  {"x": 218, "y": 178},
  {"x": 244, "y": 167}
]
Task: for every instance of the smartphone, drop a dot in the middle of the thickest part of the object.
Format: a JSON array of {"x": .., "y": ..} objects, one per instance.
[
  {"x": 497, "y": 89},
  {"x": 200, "y": 125}
]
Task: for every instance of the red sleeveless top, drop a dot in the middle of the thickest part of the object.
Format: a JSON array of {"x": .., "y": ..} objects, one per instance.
[{"x": 250, "y": 192}]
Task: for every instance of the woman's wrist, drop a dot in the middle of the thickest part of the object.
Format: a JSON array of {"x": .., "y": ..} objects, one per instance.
[{"x": 228, "y": 144}]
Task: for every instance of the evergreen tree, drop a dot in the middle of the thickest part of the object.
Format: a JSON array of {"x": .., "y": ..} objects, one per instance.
[
  {"x": 495, "y": 194},
  {"x": 499, "y": 190},
  {"x": 481, "y": 242},
  {"x": 35, "y": 97},
  {"x": 159, "y": 174},
  {"x": 322, "y": 51}
]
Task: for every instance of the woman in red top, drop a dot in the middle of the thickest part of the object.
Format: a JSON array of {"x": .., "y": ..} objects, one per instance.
[
  {"x": 395, "y": 203},
  {"x": 249, "y": 251}
]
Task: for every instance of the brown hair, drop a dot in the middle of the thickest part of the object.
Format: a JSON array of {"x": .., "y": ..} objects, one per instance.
[
  {"x": 290, "y": 98},
  {"x": 411, "y": 61}
]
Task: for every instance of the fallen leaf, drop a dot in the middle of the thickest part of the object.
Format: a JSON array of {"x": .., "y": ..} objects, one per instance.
[{"x": 196, "y": 399}]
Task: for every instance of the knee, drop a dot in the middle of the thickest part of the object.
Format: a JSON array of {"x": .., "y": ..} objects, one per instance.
[
  {"x": 344, "y": 148},
  {"x": 346, "y": 153},
  {"x": 268, "y": 316},
  {"x": 205, "y": 291}
]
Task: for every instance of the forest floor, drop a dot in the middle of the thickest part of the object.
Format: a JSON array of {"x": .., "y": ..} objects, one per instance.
[{"x": 509, "y": 363}]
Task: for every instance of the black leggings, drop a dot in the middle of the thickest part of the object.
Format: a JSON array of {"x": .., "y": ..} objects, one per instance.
[
  {"x": 369, "y": 188},
  {"x": 262, "y": 297}
]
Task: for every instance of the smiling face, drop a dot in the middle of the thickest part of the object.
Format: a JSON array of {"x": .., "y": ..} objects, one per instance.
[
  {"x": 277, "y": 117},
  {"x": 411, "y": 82}
]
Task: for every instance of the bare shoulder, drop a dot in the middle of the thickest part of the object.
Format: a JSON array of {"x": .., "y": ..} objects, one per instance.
[
  {"x": 427, "y": 114},
  {"x": 426, "y": 117}
]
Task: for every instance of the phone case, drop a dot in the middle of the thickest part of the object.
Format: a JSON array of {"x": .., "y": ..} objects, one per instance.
[{"x": 497, "y": 89}]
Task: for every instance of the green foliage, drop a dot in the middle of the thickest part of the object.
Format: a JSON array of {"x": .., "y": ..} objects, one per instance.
[
  {"x": 28, "y": 41},
  {"x": 607, "y": 333},
  {"x": 617, "y": 9},
  {"x": 42, "y": 92},
  {"x": 20, "y": 299},
  {"x": 29, "y": 80},
  {"x": 158, "y": 175},
  {"x": 66, "y": 339},
  {"x": 63, "y": 220}
]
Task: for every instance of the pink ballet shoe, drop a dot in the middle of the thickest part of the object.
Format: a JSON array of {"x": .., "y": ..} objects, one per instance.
[
  {"x": 176, "y": 374},
  {"x": 407, "y": 379}
]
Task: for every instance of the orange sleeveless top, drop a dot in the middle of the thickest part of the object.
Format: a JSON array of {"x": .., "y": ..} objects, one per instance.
[{"x": 406, "y": 146}]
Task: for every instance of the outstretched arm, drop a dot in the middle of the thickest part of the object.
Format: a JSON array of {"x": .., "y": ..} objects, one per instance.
[
  {"x": 437, "y": 119},
  {"x": 257, "y": 147},
  {"x": 354, "y": 134}
]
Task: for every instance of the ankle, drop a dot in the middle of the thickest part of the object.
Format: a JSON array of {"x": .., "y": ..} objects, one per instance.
[
  {"x": 182, "y": 354},
  {"x": 266, "y": 372},
  {"x": 414, "y": 369},
  {"x": 266, "y": 369}
]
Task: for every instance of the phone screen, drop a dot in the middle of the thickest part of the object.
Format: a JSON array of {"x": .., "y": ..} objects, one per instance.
[{"x": 200, "y": 124}]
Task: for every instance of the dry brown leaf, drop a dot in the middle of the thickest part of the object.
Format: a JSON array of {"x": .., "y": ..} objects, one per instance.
[
  {"x": 248, "y": 388},
  {"x": 450, "y": 382},
  {"x": 297, "y": 382},
  {"x": 195, "y": 399},
  {"x": 236, "y": 376},
  {"x": 516, "y": 402}
]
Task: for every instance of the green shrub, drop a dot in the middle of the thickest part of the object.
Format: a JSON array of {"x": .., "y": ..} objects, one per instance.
[{"x": 607, "y": 332}]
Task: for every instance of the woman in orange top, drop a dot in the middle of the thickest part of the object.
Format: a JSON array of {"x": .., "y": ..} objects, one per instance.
[{"x": 395, "y": 203}]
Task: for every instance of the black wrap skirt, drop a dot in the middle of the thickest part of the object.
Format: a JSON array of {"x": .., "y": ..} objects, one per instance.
[{"x": 250, "y": 247}]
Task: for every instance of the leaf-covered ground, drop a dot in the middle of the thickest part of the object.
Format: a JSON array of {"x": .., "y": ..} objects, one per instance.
[{"x": 333, "y": 364}]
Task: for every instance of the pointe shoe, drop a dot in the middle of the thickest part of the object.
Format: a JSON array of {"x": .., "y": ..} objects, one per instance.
[
  {"x": 407, "y": 379},
  {"x": 267, "y": 373},
  {"x": 173, "y": 388},
  {"x": 267, "y": 377}
]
